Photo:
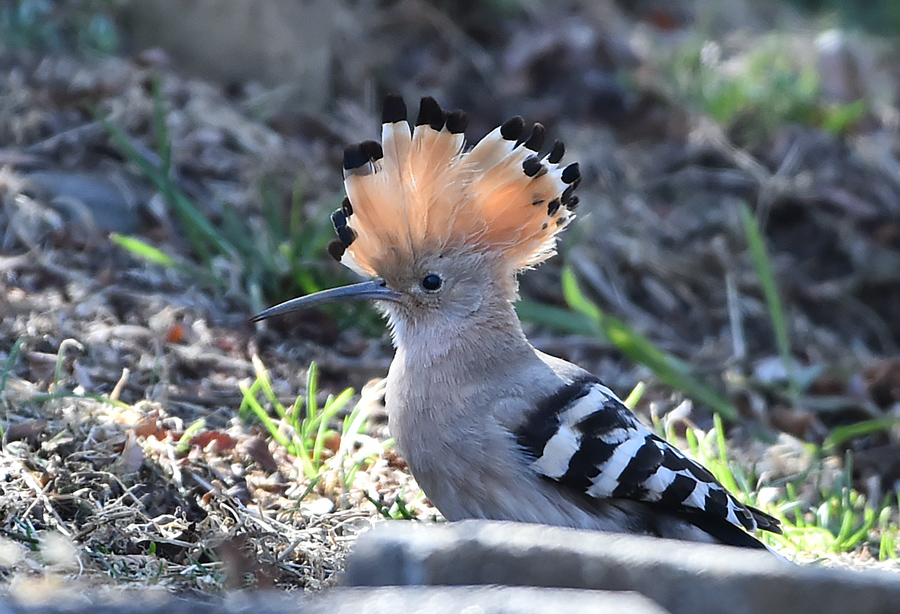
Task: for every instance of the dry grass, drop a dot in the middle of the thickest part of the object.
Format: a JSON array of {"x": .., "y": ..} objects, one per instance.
[
  {"x": 120, "y": 358},
  {"x": 99, "y": 491}
]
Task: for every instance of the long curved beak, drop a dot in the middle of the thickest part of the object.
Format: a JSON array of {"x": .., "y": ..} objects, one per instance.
[{"x": 374, "y": 289}]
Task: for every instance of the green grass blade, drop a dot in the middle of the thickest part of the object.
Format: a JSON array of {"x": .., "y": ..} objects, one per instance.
[
  {"x": 634, "y": 397},
  {"x": 143, "y": 250},
  {"x": 888, "y": 546},
  {"x": 791, "y": 490},
  {"x": 184, "y": 442},
  {"x": 693, "y": 442},
  {"x": 244, "y": 410},
  {"x": 322, "y": 432},
  {"x": 726, "y": 476},
  {"x": 306, "y": 491},
  {"x": 332, "y": 406},
  {"x": 667, "y": 368},
  {"x": 204, "y": 276},
  {"x": 263, "y": 416},
  {"x": 844, "y": 539},
  {"x": 557, "y": 318},
  {"x": 855, "y": 539},
  {"x": 10, "y": 362},
  {"x": 302, "y": 452},
  {"x": 355, "y": 423},
  {"x": 196, "y": 224},
  {"x": 842, "y": 434},
  {"x": 294, "y": 417},
  {"x": 402, "y": 511},
  {"x": 312, "y": 405},
  {"x": 60, "y": 357},
  {"x": 763, "y": 265},
  {"x": 379, "y": 505},
  {"x": 265, "y": 385}
]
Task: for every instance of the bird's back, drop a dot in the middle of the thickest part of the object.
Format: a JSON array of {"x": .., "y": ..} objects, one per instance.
[
  {"x": 590, "y": 463},
  {"x": 583, "y": 439}
]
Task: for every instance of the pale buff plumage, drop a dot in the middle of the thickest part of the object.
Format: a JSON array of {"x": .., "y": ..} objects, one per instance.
[
  {"x": 428, "y": 195},
  {"x": 446, "y": 231}
]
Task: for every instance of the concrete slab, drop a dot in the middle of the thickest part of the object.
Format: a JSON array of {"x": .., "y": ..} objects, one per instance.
[
  {"x": 682, "y": 577},
  {"x": 381, "y": 600}
]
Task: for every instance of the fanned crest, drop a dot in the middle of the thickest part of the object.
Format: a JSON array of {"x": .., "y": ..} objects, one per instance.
[{"x": 420, "y": 190}]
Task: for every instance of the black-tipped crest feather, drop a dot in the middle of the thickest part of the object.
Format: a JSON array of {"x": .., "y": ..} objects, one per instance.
[
  {"x": 536, "y": 140},
  {"x": 571, "y": 173},
  {"x": 457, "y": 122},
  {"x": 512, "y": 129},
  {"x": 430, "y": 114},
  {"x": 354, "y": 157},
  {"x": 421, "y": 188},
  {"x": 557, "y": 153},
  {"x": 335, "y": 249},
  {"x": 372, "y": 150},
  {"x": 394, "y": 109}
]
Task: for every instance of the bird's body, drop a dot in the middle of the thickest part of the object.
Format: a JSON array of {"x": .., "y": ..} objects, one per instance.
[{"x": 489, "y": 426}]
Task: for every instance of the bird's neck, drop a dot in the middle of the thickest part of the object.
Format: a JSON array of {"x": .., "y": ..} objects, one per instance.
[
  {"x": 490, "y": 336},
  {"x": 437, "y": 376}
]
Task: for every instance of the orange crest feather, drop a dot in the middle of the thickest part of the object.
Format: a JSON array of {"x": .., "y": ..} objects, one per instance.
[{"x": 420, "y": 191}]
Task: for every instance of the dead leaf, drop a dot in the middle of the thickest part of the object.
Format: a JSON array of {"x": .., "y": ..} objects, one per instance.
[
  {"x": 796, "y": 422},
  {"x": 241, "y": 565},
  {"x": 150, "y": 426},
  {"x": 883, "y": 382},
  {"x": 220, "y": 440},
  {"x": 258, "y": 450},
  {"x": 29, "y": 431},
  {"x": 175, "y": 334},
  {"x": 132, "y": 456}
]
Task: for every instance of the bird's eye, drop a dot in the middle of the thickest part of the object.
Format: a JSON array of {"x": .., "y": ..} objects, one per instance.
[{"x": 431, "y": 282}]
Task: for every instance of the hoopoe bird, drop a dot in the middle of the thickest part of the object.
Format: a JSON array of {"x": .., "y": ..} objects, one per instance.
[{"x": 489, "y": 426}]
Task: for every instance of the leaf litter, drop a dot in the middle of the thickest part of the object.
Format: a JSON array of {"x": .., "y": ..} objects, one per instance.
[{"x": 110, "y": 363}]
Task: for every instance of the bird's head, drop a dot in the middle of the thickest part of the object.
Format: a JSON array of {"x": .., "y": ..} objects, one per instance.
[{"x": 441, "y": 229}]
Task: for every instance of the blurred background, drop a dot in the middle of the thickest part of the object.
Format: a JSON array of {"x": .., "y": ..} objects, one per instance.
[{"x": 168, "y": 168}]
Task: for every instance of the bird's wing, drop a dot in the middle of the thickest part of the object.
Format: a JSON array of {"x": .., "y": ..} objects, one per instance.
[{"x": 584, "y": 438}]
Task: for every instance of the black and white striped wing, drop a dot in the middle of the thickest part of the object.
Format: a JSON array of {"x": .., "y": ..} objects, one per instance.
[{"x": 585, "y": 438}]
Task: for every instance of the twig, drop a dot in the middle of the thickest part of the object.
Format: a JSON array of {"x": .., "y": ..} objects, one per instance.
[
  {"x": 735, "y": 319},
  {"x": 117, "y": 390},
  {"x": 43, "y": 498}
]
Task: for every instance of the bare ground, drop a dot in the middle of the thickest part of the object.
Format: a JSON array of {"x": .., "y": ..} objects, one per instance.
[{"x": 115, "y": 493}]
